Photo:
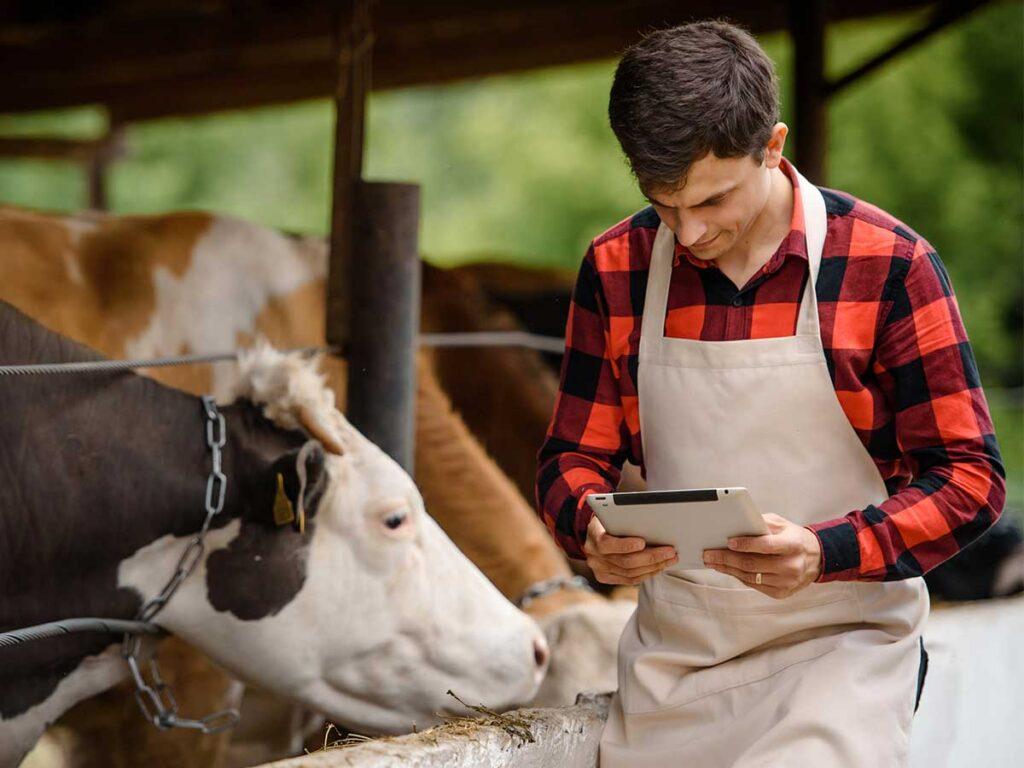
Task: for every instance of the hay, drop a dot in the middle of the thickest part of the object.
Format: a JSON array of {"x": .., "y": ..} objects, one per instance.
[{"x": 516, "y": 726}]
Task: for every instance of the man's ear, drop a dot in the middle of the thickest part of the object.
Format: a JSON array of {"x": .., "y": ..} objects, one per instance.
[{"x": 300, "y": 481}]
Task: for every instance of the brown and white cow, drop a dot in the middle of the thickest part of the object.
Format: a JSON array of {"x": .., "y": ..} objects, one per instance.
[
  {"x": 192, "y": 282},
  {"x": 367, "y": 612}
]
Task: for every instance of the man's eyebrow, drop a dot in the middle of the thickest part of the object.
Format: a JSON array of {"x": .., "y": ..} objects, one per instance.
[
  {"x": 652, "y": 201},
  {"x": 708, "y": 199}
]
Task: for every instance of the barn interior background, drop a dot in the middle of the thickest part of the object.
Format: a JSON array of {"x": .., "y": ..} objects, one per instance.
[
  {"x": 935, "y": 136},
  {"x": 924, "y": 106}
]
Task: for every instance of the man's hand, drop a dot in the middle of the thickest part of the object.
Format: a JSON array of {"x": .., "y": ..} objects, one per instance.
[
  {"x": 623, "y": 559},
  {"x": 788, "y": 558}
]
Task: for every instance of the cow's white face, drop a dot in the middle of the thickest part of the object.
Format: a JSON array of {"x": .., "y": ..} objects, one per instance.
[
  {"x": 389, "y": 617},
  {"x": 399, "y": 614}
]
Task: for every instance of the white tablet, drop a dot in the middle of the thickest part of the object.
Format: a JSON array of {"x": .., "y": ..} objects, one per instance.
[{"x": 689, "y": 520}]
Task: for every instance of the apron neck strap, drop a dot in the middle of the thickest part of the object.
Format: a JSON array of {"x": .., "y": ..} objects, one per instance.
[{"x": 815, "y": 225}]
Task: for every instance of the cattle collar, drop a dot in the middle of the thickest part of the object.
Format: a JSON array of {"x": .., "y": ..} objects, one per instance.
[{"x": 549, "y": 586}]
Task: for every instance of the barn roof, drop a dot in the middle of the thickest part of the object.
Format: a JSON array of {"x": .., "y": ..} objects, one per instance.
[{"x": 153, "y": 58}]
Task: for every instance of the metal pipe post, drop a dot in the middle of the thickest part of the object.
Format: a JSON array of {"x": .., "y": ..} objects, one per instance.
[{"x": 384, "y": 291}]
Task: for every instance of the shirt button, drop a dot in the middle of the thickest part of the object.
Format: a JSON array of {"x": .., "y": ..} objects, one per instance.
[{"x": 737, "y": 301}]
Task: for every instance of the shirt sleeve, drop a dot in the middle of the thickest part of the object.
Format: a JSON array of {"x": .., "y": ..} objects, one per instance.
[
  {"x": 587, "y": 440},
  {"x": 925, "y": 365}
]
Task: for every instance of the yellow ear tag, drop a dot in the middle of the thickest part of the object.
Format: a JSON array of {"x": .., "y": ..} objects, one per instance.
[
  {"x": 300, "y": 523},
  {"x": 284, "y": 513}
]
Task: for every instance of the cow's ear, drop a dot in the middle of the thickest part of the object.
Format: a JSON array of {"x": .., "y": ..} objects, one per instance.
[{"x": 300, "y": 480}]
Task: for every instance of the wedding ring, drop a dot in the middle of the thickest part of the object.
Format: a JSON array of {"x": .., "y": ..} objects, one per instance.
[{"x": 757, "y": 578}]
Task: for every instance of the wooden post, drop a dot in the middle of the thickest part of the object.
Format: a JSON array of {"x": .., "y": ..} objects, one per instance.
[
  {"x": 93, "y": 155},
  {"x": 807, "y": 28},
  {"x": 353, "y": 44},
  {"x": 96, "y": 183},
  {"x": 385, "y": 318},
  {"x": 98, "y": 164}
]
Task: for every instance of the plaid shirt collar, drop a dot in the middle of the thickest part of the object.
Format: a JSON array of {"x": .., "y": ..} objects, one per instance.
[{"x": 793, "y": 244}]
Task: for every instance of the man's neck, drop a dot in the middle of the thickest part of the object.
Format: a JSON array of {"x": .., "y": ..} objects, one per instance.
[{"x": 763, "y": 237}]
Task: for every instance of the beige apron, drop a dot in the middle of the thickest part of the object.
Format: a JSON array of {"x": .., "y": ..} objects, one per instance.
[{"x": 713, "y": 673}]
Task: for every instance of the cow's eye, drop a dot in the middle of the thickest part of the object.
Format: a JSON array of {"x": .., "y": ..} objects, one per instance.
[
  {"x": 393, "y": 515},
  {"x": 394, "y": 520}
]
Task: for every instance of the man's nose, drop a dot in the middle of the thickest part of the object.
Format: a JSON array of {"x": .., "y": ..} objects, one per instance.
[{"x": 691, "y": 232}]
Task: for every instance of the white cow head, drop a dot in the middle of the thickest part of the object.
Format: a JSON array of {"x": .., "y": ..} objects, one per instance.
[{"x": 381, "y": 615}]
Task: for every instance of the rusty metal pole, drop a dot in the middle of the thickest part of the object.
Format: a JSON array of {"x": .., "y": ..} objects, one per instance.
[
  {"x": 807, "y": 27},
  {"x": 385, "y": 317}
]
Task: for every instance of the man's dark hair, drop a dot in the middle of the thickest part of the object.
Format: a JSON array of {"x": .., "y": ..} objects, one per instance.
[{"x": 683, "y": 92}]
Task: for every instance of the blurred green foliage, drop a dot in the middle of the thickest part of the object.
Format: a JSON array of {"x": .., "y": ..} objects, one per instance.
[{"x": 524, "y": 168}]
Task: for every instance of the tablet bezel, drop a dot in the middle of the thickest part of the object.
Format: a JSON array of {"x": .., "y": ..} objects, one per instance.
[{"x": 615, "y": 504}]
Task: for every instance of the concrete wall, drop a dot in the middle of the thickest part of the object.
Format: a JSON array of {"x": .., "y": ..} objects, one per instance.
[{"x": 563, "y": 737}]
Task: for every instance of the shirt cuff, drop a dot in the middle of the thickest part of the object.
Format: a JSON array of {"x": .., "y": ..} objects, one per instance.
[
  {"x": 584, "y": 513},
  {"x": 840, "y": 550}
]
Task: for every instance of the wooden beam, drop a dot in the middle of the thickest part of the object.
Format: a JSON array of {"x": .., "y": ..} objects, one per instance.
[
  {"x": 47, "y": 148},
  {"x": 210, "y": 57},
  {"x": 807, "y": 27},
  {"x": 945, "y": 13}
]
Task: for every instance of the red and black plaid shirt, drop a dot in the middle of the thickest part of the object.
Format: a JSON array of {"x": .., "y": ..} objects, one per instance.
[{"x": 897, "y": 352}]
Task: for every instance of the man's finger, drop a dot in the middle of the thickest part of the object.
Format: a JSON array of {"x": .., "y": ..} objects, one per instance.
[
  {"x": 744, "y": 561},
  {"x": 647, "y": 557},
  {"x": 768, "y": 544},
  {"x": 608, "y": 544},
  {"x": 641, "y": 570}
]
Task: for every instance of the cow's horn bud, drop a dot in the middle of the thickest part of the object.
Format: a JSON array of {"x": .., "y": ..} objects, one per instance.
[{"x": 321, "y": 431}]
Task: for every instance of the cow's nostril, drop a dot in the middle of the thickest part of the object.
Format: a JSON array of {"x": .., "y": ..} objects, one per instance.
[{"x": 540, "y": 651}]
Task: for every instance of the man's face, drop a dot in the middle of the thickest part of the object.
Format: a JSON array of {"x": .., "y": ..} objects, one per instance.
[{"x": 719, "y": 202}]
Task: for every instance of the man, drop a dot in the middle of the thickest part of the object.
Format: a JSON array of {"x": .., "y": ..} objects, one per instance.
[{"x": 749, "y": 329}]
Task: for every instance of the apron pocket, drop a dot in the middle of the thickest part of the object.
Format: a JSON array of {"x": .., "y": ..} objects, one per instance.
[
  {"x": 660, "y": 680},
  {"x": 711, "y": 638}
]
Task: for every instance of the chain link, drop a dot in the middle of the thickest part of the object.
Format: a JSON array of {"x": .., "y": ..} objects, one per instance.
[{"x": 156, "y": 699}]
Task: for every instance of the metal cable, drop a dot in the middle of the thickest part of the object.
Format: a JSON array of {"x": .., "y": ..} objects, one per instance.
[
  {"x": 99, "y": 366},
  {"x": 471, "y": 339},
  {"x": 535, "y": 341},
  {"x": 70, "y": 626}
]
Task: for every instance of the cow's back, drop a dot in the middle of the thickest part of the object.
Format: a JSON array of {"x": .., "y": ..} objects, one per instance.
[{"x": 168, "y": 284}]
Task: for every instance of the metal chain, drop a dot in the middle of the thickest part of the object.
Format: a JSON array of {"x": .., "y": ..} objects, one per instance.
[{"x": 156, "y": 699}]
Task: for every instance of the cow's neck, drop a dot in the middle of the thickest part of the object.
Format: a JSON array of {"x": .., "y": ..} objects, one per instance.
[{"x": 93, "y": 468}]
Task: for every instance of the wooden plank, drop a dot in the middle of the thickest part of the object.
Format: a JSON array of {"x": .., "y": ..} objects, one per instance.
[{"x": 559, "y": 737}]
